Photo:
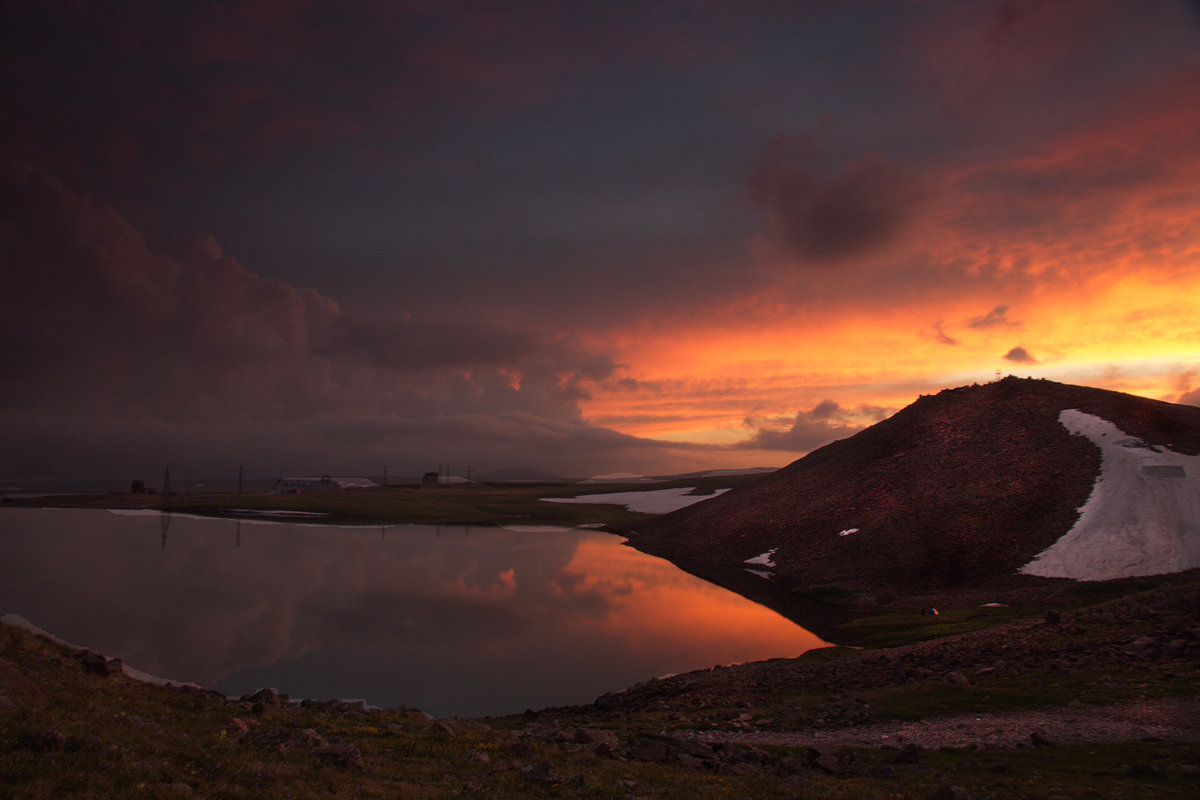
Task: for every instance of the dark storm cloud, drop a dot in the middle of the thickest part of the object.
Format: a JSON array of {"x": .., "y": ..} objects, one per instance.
[
  {"x": 117, "y": 355},
  {"x": 1019, "y": 355},
  {"x": 819, "y": 219}
]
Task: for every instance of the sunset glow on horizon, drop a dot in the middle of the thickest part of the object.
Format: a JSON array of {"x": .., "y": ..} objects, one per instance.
[{"x": 575, "y": 237}]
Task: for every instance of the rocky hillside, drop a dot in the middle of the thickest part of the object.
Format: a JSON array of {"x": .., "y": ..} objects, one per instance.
[{"x": 959, "y": 490}]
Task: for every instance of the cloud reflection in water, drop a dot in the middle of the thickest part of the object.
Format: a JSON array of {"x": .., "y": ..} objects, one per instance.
[{"x": 455, "y": 621}]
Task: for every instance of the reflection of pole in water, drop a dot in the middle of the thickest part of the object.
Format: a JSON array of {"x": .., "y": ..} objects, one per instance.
[
  {"x": 165, "y": 519},
  {"x": 381, "y": 533},
  {"x": 237, "y": 541}
]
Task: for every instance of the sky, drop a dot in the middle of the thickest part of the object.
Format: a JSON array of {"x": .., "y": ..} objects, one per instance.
[{"x": 312, "y": 237}]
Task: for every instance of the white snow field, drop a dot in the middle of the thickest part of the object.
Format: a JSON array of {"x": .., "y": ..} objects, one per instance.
[
  {"x": 654, "y": 501},
  {"x": 1142, "y": 517}
]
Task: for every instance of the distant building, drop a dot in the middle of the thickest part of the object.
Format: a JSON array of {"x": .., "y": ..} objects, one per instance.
[{"x": 325, "y": 483}]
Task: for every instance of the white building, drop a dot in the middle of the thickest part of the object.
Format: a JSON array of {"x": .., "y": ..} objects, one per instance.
[{"x": 323, "y": 483}]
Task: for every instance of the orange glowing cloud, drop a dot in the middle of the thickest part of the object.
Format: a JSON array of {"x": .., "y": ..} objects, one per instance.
[{"x": 1078, "y": 260}]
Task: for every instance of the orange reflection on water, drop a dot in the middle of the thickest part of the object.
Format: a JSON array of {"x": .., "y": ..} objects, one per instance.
[{"x": 676, "y": 612}]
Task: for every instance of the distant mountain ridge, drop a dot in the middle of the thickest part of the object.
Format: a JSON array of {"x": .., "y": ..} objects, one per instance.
[{"x": 960, "y": 488}]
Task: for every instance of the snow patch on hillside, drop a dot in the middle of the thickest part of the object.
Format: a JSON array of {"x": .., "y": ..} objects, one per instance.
[
  {"x": 654, "y": 501},
  {"x": 1142, "y": 517},
  {"x": 766, "y": 559}
]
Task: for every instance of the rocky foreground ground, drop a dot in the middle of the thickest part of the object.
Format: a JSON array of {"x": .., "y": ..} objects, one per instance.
[{"x": 1095, "y": 702}]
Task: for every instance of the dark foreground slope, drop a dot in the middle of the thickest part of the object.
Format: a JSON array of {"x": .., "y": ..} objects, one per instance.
[
  {"x": 955, "y": 492},
  {"x": 1106, "y": 696}
]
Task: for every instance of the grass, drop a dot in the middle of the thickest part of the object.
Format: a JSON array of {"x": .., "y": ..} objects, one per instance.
[
  {"x": 1048, "y": 689},
  {"x": 892, "y": 629},
  {"x": 454, "y": 504},
  {"x": 105, "y": 737}
]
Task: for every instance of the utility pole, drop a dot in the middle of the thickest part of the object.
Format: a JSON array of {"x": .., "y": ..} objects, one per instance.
[
  {"x": 241, "y": 470},
  {"x": 385, "y": 474}
]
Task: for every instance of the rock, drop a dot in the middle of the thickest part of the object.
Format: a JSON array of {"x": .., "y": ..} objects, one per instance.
[
  {"x": 267, "y": 697},
  {"x": 1145, "y": 647},
  {"x": 237, "y": 726},
  {"x": 47, "y": 740},
  {"x": 594, "y": 736},
  {"x": 179, "y": 787},
  {"x": 477, "y": 757},
  {"x": 950, "y": 793},
  {"x": 959, "y": 679},
  {"x": 441, "y": 728},
  {"x": 543, "y": 773},
  {"x": 828, "y": 764},
  {"x": 1039, "y": 739},
  {"x": 348, "y": 706},
  {"x": 96, "y": 664},
  {"x": 343, "y": 755},
  {"x": 625, "y": 785},
  {"x": 909, "y": 754}
]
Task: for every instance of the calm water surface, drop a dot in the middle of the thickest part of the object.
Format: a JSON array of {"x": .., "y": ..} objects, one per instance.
[{"x": 456, "y": 621}]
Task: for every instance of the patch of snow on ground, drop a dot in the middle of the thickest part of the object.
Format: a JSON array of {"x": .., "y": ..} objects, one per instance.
[
  {"x": 762, "y": 573},
  {"x": 765, "y": 559},
  {"x": 654, "y": 501},
  {"x": 619, "y": 477},
  {"x": 1142, "y": 517},
  {"x": 848, "y": 531}
]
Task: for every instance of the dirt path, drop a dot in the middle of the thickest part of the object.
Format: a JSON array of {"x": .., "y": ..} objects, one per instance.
[{"x": 1059, "y": 726}]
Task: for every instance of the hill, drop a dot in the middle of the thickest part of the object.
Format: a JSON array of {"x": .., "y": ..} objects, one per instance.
[{"x": 957, "y": 492}]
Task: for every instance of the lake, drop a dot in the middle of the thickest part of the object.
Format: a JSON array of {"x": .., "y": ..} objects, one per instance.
[{"x": 456, "y": 621}]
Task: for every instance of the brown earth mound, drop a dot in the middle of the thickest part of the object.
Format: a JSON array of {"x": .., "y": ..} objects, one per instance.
[{"x": 955, "y": 491}]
